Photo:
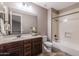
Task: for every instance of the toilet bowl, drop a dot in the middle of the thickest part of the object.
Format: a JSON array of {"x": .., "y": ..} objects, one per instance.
[{"x": 47, "y": 44}]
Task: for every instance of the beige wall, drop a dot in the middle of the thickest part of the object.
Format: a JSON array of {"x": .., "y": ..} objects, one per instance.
[
  {"x": 40, "y": 12},
  {"x": 28, "y": 21}
]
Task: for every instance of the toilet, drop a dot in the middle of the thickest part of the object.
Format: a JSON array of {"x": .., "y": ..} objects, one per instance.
[{"x": 47, "y": 45}]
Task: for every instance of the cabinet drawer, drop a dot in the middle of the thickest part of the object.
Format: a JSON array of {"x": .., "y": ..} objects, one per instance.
[
  {"x": 13, "y": 45},
  {"x": 27, "y": 49},
  {"x": 14, "y": 53},
  {"x": 27, "y": 53},
  {"x": 27, "y": 41},
  {"x": 37, "y": 40},
  {"x": 27, "y": 45}
]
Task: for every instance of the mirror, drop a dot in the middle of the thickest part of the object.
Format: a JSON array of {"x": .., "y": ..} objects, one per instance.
[
  {"x": 15, "y": 21},
  {"x": 22, "y": 23}
]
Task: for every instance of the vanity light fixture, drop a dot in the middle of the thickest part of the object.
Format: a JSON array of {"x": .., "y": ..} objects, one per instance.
[{"x": 26, "y": 4}]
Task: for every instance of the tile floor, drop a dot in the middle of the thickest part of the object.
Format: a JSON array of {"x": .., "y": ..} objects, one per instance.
[{"x": 55, "y": 52}]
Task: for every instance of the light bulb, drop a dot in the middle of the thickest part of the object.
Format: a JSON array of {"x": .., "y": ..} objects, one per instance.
[{"x": 65, "y": 20}]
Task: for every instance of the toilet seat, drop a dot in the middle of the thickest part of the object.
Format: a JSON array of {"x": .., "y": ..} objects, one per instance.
[{"x": 48, "y": 44}]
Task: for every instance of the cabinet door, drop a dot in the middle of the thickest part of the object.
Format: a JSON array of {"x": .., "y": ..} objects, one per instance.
[
  {"x": 27, "y": 47},
  {"x": 2, "y": 51},
  {"x": 1, "y": 48},
  {"x": 20, "y": 47},
  {"x": 36, "y": 46},
  {"x": 14, "y": 48}
]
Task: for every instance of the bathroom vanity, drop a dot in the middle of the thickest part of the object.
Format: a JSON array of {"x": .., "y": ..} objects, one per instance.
[
  {"x": 13, "y": 24},
  {"x": 24, "y": 46}
]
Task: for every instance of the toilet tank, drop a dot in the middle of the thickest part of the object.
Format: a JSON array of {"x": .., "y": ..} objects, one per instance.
[{"x": 44, "y": 38}]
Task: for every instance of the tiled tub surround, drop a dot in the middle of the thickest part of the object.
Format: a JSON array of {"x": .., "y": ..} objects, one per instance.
[{"x": 26, "y": 45}]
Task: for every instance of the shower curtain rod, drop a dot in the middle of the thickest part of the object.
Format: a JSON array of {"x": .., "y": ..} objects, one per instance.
[{"x": 66, "y": 14}]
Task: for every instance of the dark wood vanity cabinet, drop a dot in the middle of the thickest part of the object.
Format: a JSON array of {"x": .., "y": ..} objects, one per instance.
[{"x": 22, "y": 48}]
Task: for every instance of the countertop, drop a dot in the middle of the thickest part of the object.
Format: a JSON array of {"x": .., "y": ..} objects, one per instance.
[{"x": 8, "y": 39}]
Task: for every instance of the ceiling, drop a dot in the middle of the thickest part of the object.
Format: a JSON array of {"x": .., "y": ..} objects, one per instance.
[{"x": 55, "y": 5}]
